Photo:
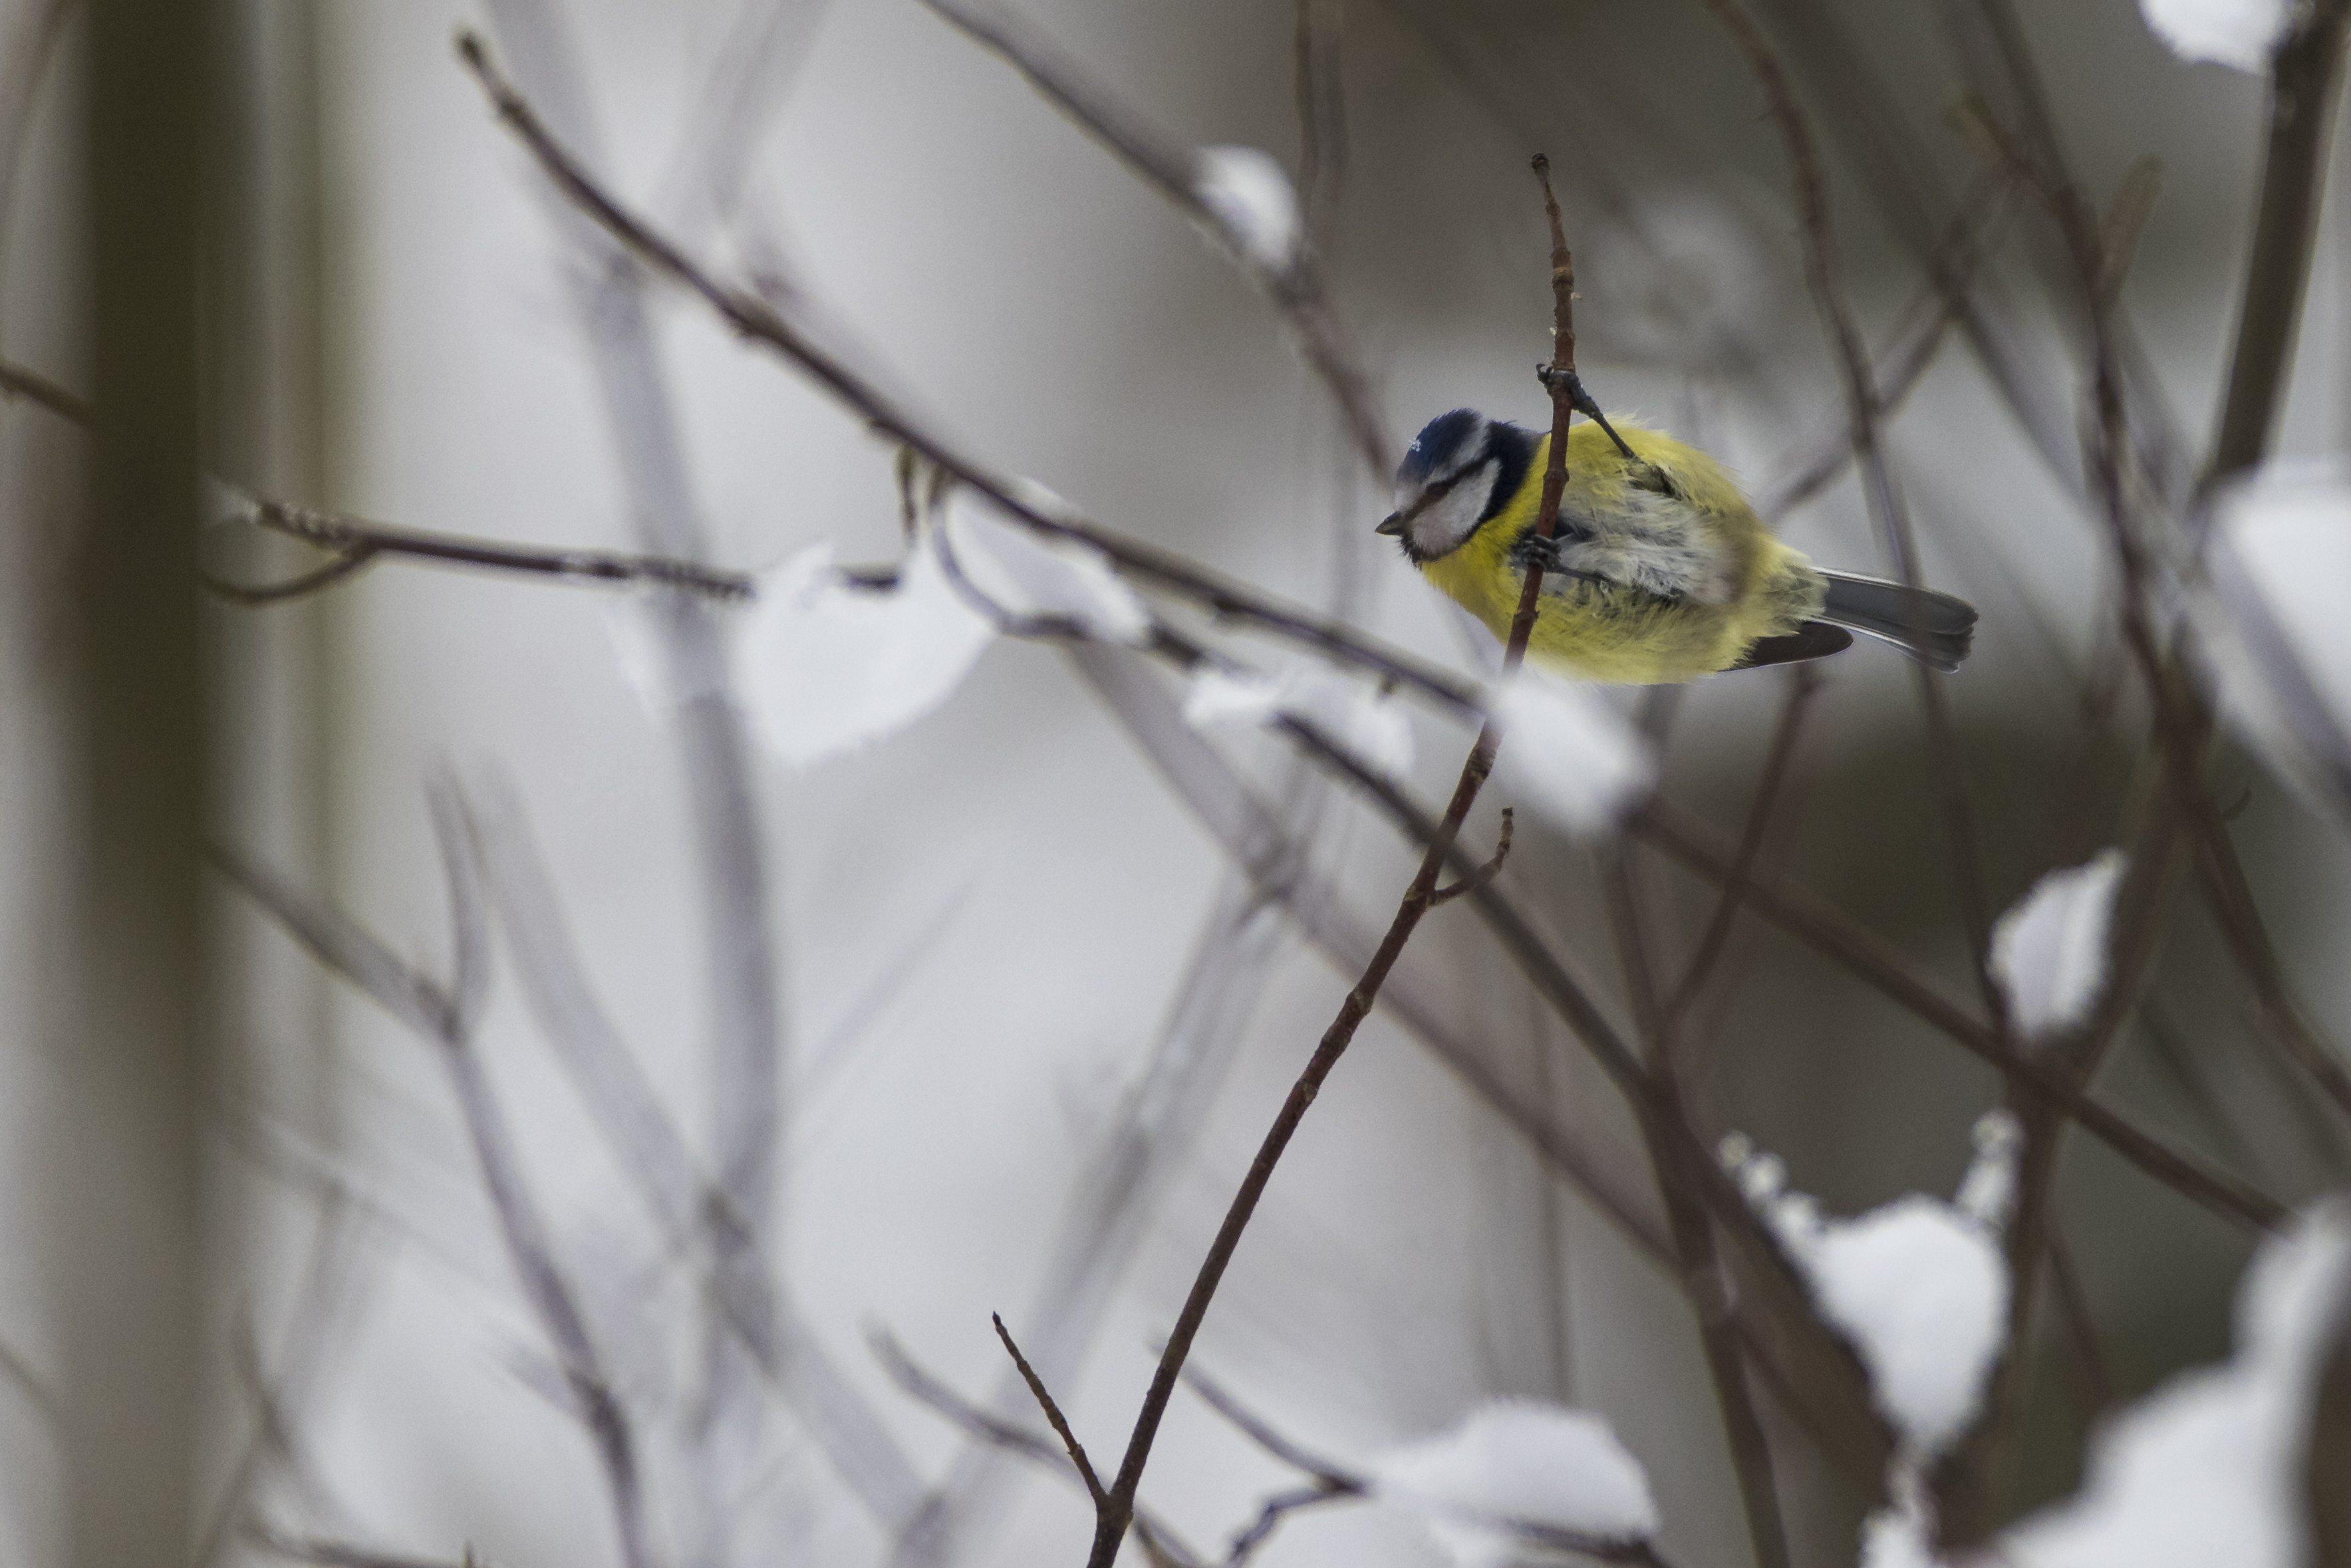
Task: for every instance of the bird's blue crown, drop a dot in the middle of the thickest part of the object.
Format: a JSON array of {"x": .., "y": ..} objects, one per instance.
[{"x": 1438, "y": 442}]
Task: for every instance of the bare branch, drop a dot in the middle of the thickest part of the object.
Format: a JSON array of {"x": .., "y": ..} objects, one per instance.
[
  {"x": 1710, "y": 1294},
  {"x": 1821, "y": 271},
  {"x": 16, "y": 381},
  {"x": 355, "y": 543},
  {"x": 1111, "y": 1517},
  {"x": 352, "y": 536},
  {"x": 442, "y": 1016},
  {"x": 1912, "y": 344},
  {"x": 747, "y": 1049},
  {"x": 2227, "y": 1196},
  {"x": 1803, "y": 685},
  {"x": 344, "y": 563},
  {"x": 1333, "y": 1478},
  {"x": 1164, "y": 1547},
  {"x": 1484, "y": 873},
  {"x": 757, "y": 320},
  {"x": 1295, "y": 287},
  {"x": 1059, "y": 1423},
  {"x": 1253, "y": 838},
  {"x": 653, "y": 1154},
  {"x": 2303, "y": 74}
]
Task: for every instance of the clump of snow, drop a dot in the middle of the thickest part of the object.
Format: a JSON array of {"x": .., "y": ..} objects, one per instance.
[
  {"x": 1917, "y": 1286},
  {"x": 2239, "y": 32},
  {"x": 1374, "y": 727},
  {"x": 1988, "y": 1192},
  {"x": 1568, "y": 754},
  {"x": 1024, "y": 575},
  {"x": 2049, "y": 952},
  {"x": 1898, "y": 1538},
  {"x": 1221, "y": 696},
  {"x": 1249, "y": 191},
  {"x": 2281, "y": 552},
  {"x": 2208, "y": 1468},
  {"x": 1514, "y": 1464},
  {"x": 829, "y": 665}
]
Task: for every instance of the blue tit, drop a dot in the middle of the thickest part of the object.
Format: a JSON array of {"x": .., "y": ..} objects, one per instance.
[{"x": 1659, "y": 570}]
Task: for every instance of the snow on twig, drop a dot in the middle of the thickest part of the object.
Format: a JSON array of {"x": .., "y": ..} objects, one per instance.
[
  {"x": 1919, "y": 1287},
  {"x": 2049, "y": 952},
  {"x": 2209, "y": 1468},
  {"x": 831, "y": 665},
  {"x": 1521, "y": 1472},
  {"x": 1249, "y": 192},
  {"x": 1569, "y": 756},
  {"x": 2237, "y": 33},
  {"x": 1367, "y": 722}
]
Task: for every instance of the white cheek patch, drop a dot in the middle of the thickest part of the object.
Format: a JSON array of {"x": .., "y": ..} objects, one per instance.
[
  {"x": 1444, "y": 523},
  {"x": 1658, "y": 544}
]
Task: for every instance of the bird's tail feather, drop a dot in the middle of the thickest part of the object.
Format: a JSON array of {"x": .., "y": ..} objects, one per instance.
[{"x": 1933, "y": 628}]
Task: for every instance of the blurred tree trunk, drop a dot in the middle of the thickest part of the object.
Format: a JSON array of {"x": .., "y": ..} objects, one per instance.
[{"x": 128, "y": 1288}]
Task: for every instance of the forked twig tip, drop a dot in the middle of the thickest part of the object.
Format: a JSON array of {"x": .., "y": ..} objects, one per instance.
[{"x": 1052, "y": 1412}]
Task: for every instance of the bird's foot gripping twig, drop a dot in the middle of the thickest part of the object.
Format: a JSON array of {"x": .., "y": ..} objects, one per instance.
[{"x": 1562, "y": 380}]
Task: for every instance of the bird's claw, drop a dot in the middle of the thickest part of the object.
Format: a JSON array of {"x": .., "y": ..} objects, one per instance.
[{"x": 1557, "y": 379}]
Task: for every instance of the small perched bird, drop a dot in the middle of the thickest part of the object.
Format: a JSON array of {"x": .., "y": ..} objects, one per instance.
[{"x": 1659, "y": 571}]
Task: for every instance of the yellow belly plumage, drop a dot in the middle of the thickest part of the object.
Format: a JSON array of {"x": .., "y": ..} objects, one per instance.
[{"x": 1607, "y": 632}]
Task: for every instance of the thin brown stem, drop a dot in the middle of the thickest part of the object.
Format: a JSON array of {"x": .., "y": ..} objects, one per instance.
[
  {"x": 1710, "y": 1302},
  {"x": 1111, "y": 1518},
  {"x": 343, "y": 563},
  {"x": 355, "y": 544},
  {"x": 2216, "y": 1190},
  {"x": 1821, "y": 272},
  {"x": 1918, "y": 333},
  {"x": 1158, "y": 1538},
  {"x": 2302, "y": 75},
  {"x": 333, "y": 531},
  {"x": 1044, "y": 1397},
  {"x": 16, "y": 381},
  {"x": 757, "y": 320},
  {"x": 1803, "y": 685},
  {"x": 2097, "y": 1374},
  {"x": 1484, "y": 873},
  {"x": 1293, "y": 284}
]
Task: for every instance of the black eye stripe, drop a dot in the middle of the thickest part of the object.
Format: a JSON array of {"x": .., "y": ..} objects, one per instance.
[{"x": 1436, "y": 493}]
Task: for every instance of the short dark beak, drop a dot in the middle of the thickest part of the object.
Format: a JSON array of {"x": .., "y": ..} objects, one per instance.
[{"x": 1394, "y": 525}]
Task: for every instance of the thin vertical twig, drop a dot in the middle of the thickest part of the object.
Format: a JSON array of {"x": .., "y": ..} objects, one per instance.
[
  {"x": 1821, "y": 271},
  {"x": 696, "y": 1214},
  {"x": 444, "y": 1015},
  {"x": 1710, "y": 1303},
  {"x": 2097, "y": 1374},
  {"x": 1053, "y": 1416},
  {"x": 2302, "y": 73},
  {"x": 732, "y": 846},
  {"x": 1321, "y": 123},
  {"x": 1803, "y": 685},
  {"x": 1111, "y": 1522}
]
